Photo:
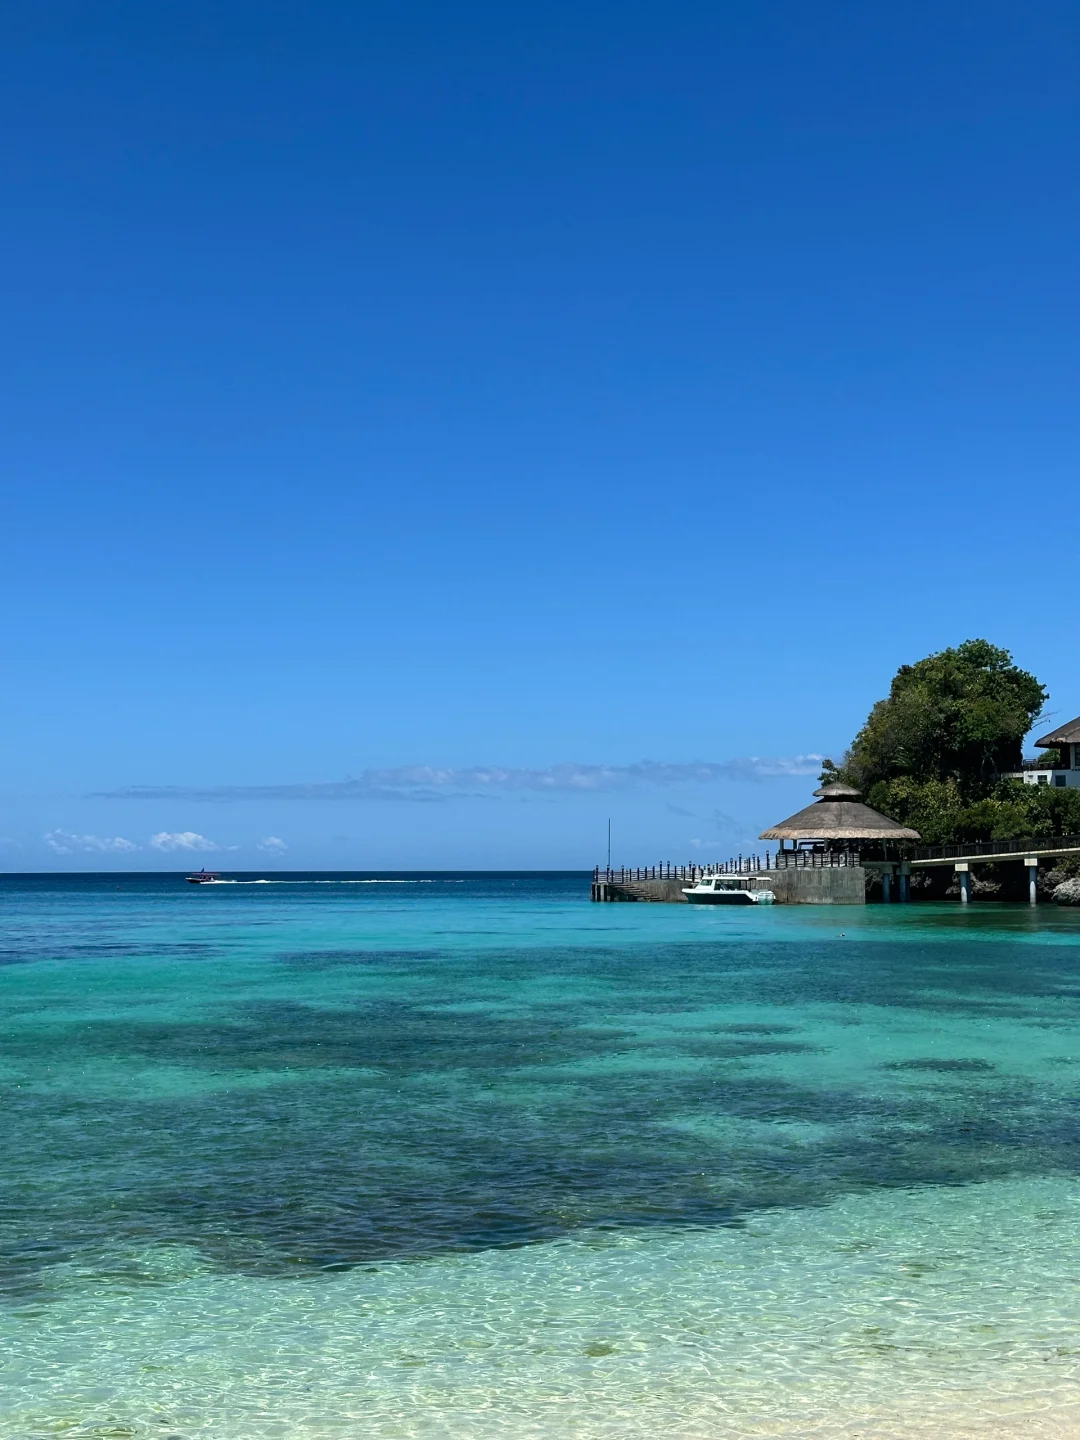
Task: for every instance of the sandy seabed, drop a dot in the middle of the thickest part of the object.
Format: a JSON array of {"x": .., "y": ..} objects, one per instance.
[{"x": 935, "y": 1312}]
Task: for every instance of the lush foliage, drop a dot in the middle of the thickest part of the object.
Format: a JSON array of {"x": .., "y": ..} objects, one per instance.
[
  {"x": 958, "y": 718},
  {"x": 933, "y": 753},
  {"x": 1011, "y": 810}
]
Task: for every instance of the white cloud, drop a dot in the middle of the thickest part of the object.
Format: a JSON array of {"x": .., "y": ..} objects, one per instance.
[
  {"x": 182, "y": 840},
  {"x": 272, "y": 845},
  {"x": 63, "y": 842},
  {"x": 425, "y": 782}
]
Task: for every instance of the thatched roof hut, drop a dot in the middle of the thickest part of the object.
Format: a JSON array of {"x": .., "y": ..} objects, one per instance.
[{"x": 839, "y": 815}]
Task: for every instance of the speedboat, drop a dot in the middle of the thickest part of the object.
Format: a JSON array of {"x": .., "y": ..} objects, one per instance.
[
  {"x": 203, "y": 877},
  {"x": 724, "y": 890}
]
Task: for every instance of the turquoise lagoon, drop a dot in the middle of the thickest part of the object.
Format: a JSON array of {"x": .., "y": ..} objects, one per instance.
[{"x": 469, "y": 1157}]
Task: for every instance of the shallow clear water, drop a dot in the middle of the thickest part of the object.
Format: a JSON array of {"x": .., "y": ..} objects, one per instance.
[{"x": 470, "y": 1157}]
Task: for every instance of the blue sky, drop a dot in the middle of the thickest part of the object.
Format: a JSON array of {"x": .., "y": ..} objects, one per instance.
[{"x": 477, "y": 401}]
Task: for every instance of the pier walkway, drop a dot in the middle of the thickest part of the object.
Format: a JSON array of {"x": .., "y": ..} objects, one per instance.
[
  {"x": 964, "y": 854},
  {"x": 789, "y": 870},
  {"x": 988, "y": 850}
]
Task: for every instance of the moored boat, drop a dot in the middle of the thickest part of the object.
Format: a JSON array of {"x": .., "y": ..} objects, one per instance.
[{"x": 725, "y": 890}]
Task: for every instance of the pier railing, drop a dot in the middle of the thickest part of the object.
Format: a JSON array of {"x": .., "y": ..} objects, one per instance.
[
  {"x": 815, "y": 859},
  {"x": 968, "y": 849},
  {"x": 740, "y": 865}
]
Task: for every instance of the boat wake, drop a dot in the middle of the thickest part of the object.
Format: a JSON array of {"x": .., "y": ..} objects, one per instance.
[{"x": 333, "y": 882}]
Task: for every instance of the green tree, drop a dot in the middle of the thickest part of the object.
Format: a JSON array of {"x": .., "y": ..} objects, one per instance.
[
  {"x": 958, "y": 717},
  {"x": 934, "y": 752}
]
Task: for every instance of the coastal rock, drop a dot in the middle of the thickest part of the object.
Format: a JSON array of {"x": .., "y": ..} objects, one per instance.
[
  {"x": 1049, "y": 880},
  {"x": 1068, "y": 893}
]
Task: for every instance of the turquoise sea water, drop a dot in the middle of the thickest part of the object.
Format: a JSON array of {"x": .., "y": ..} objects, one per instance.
[{"x": 468, "y": 1157}]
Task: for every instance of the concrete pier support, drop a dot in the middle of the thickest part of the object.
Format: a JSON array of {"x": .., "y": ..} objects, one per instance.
[
  {"x": 887, "y": 869},
  {"x": 965, "y": 881},
  {"x": 905, "y": 881},
  {"x": 1032, "y": 863}
]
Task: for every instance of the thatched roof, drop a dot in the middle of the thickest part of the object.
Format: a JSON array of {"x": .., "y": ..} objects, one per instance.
[
  {"x": 1064, "y": 735},
  {"x": 838, "y": 815}
]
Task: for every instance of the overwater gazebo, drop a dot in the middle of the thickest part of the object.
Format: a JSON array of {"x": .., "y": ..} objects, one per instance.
[{"x": 838, "y": 821}]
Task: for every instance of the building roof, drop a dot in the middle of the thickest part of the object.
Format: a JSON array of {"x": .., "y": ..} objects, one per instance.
[
  {"x": 1064, "y": 735},
  {"x": 839, "y": 815}
]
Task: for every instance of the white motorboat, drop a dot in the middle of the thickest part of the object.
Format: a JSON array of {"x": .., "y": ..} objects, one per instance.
[{"x": 726, "y": 890}]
